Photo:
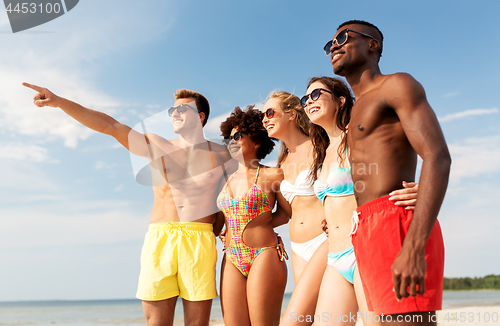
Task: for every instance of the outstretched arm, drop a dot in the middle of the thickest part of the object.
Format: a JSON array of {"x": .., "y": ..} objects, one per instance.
[
  {"x": 135, "y": 142},
  {"x": 422, "y": 129}
]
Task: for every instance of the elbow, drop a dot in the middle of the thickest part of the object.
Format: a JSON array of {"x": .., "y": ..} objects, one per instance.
[
  {"x": 443, "y": 159},
  {"x": 446, "y": 157},
  {"x": 110, "y": 129}
]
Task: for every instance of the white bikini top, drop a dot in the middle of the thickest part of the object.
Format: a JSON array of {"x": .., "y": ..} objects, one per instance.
[{"x": 302, "y": 187}]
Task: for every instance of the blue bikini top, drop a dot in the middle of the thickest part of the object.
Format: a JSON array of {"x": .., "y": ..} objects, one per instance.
[{"x": 338, "y": 184}]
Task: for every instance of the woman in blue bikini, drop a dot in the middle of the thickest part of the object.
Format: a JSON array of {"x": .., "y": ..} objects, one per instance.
[
  {"x": 328, "y": 105},
  {"x": 285, "y": 120}
]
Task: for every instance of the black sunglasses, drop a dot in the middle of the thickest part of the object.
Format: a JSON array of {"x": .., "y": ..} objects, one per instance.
[
  {"x": 181, "y": 109},
  {"x": 314, "y": 96},
  {"x": 341, "y": 39},
  {"x": 236, "y": 137}
]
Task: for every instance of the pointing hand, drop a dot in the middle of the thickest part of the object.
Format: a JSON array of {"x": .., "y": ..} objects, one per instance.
[{"x": 44, "y": 97}]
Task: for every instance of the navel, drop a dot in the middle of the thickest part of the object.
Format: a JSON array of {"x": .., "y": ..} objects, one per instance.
[{"x": 361, "y": 128}]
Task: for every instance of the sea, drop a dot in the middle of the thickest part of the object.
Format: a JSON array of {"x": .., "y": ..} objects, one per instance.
[{"x": 128, "y": 312}]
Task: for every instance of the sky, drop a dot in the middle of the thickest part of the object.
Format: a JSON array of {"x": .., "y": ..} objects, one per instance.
[{"x": 72, "y": 217}]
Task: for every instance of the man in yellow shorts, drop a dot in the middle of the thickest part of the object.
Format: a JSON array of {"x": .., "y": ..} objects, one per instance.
[{"x": 179, "y": 253}]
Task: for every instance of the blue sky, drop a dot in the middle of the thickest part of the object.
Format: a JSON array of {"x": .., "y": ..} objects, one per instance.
[{"x": 72, "y": 218}]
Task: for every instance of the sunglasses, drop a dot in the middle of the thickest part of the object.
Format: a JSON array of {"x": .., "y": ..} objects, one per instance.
[
  {"x": 180, "y": 109},
  {"x": 314, "y": 96},
  {"x": 237, "y": 137},
  {"x": 269, "y": 113},
  {"x": 341, "y": 39}
]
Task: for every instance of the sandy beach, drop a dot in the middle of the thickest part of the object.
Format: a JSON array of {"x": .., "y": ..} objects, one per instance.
[
  {"x": 462, "y": 308},
  {"x": 470, "y": 316},
  {"x": 463, "y": 316}
]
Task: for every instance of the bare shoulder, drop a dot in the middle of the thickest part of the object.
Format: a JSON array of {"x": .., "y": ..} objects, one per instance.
[
  {"x": 217, "y": 148},
  {"x": 402, "y": 90},
  {"x": 154, "y": 138},
  {"x": 220, "y": 152},
  {"x": 400, "y": 81}
]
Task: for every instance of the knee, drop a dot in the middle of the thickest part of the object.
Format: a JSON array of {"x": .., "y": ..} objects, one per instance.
[{"x": 156, "y": 320}]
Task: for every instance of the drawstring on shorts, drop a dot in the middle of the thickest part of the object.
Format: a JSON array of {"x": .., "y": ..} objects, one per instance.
[{"x": 354, "y": 222}]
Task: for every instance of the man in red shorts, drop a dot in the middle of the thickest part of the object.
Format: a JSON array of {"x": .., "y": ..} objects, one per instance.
[{"x": 400, "y": 253}]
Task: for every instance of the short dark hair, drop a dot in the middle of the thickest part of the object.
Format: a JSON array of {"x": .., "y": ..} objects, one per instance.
[
  {"x": 249, "y": 121},
  {"x": 200, "y": 100},
  {"x": 379, "y": 37}
]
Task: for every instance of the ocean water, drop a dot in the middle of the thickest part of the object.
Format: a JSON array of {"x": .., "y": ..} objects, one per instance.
[
  {"x": 129, "y": 312},
  {"x": 458, "y": 299}
]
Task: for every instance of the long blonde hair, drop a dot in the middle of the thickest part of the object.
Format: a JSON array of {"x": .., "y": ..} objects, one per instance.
[{"x": 291, "y": 102}]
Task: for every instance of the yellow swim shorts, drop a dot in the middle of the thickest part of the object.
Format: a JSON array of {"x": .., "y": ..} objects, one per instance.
[{"x": 178, "y": 259}]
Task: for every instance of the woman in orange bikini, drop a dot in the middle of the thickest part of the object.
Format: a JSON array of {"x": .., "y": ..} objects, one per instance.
[{"x": 254, "y": 273}]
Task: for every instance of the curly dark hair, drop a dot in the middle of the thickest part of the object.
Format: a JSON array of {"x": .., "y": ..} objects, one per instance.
[{"x": 249, "y": 121}]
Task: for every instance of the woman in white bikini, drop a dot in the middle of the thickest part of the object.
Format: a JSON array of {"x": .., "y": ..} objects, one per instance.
[{"x": 285, "y": 120}]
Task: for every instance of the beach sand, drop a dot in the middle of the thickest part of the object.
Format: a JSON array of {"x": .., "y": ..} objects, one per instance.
[
  {"x": 463, "y": 316},
  {"x": 470, "y": 316},
  {"x": 467, "y": 316}
]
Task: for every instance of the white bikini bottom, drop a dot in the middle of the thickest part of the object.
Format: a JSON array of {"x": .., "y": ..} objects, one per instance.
[{"x": 305, "y": 250}]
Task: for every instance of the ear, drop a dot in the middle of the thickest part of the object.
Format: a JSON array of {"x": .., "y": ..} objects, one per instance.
[
  {"x": 342, "y": 101},
  {"x": 202, "y": 117},
  {"x": 374, "y": 45},
  {"x": 293, "y": 114}
]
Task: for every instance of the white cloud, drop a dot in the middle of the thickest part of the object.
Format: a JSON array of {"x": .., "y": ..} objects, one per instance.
[
  {"x": 467, "y": 113},
  {"x": 66, "y": 63},
  {"x": 100, "y": 165},
  {"x": 4, "y": 20},
  {"x": 474, "y": 156},
  {"x": 26, "y": 177},
  {"x": 451, "y": 94},
  {"x": 69, "y": 223},
  {"x": 20, "y": 116},
  {"x": 469, "y": 224},
  {"x": 24, "y": 152},
  {"x": 212, "y": 128}
]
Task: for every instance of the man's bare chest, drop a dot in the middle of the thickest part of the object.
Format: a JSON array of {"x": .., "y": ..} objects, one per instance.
[{"x": 368, "y": 115}]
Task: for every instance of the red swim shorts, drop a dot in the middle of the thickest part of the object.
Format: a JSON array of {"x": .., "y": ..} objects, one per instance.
[{"x": 382, "y": 228}]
